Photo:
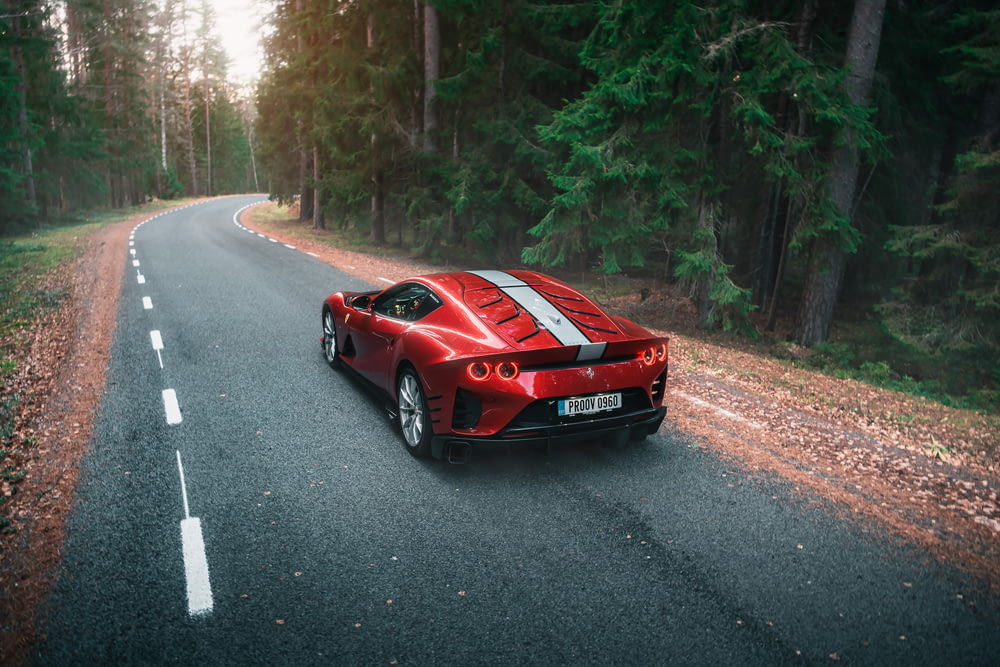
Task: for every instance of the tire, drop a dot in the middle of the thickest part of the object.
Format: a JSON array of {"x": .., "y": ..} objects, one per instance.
[
  {"x": 330, "y": 351},
  {"x": 414, "y": 417}
]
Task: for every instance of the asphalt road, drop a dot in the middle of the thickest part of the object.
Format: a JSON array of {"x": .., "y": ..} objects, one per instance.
[{"x": 271, "y": 516}]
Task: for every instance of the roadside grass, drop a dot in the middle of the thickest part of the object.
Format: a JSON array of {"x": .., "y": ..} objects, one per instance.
[{"x": 31, "y": 288}]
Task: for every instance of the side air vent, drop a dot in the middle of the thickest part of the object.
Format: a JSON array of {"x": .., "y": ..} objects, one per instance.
[
  {"x": 348, "y": 350},
  {"x": 659, "y": 387},
  {"x": 467, "y": 410}
]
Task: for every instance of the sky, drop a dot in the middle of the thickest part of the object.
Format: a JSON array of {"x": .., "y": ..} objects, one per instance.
[{"x": 238, "y": 23}]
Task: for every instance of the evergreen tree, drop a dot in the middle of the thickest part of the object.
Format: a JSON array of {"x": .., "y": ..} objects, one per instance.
[
  {"x": 831, "y": 244},
  {"x": 686, "y": 110},
  {"x": 950, "y": 303}
]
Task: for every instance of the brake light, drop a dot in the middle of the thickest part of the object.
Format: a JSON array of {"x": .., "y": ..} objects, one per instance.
[
  {"x": 479, "y": 371},
  {"x": 653, "y": 354},
  {"x": 508, "y": 370}
]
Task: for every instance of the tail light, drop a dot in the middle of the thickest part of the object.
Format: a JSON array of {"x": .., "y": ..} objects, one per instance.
[
  {"x": 508, "y": 370},
  {"x": 481, "y": 370},
  {"x": 653, "y": 354}
]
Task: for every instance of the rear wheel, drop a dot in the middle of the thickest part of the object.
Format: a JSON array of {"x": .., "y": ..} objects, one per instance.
[
  {"x": 414, "y": 418},
  {"x": 330, "y": 351}
]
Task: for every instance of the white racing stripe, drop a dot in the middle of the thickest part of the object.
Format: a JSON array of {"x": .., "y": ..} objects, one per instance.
[{"x": 559, "y": 325}]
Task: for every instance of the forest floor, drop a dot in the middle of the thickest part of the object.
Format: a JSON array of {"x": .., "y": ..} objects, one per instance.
[{"x": 922, "y": 472}]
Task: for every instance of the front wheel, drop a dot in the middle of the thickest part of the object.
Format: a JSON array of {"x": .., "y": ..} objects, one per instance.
[
  {"x": 330, "y": 351},
  {"x": 414, "y": 418}
]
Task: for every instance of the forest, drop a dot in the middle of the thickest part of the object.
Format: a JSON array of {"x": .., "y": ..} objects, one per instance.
[
  {"x": 107, "y": 103},
  {"x": 770, "y": 158}
]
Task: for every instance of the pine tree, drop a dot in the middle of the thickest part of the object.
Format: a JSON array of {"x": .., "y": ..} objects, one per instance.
[
  {"x": 830, "y": 247},
  {"x": 950, "y": 303}
]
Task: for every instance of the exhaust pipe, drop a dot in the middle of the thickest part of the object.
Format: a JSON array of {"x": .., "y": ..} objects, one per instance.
[{"x": 458, "y": 452}]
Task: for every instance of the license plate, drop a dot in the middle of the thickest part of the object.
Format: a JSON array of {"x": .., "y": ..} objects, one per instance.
[{"x": 586, "y": 405}]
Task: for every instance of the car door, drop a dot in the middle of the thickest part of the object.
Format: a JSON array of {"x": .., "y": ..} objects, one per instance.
[{"x": 377, "y": 331}]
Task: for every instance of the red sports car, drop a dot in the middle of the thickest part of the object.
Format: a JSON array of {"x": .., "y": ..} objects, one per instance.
[{"x": 509, "y": 357}]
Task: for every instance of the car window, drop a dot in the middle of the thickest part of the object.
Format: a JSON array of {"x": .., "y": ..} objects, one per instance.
[{"x": 409, "y": 302}]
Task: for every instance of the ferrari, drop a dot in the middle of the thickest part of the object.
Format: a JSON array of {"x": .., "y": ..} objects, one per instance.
[{"x": 497, "y": 357}]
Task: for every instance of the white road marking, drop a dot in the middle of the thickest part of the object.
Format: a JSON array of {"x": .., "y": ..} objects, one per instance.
[
  {"x": 135, "y": 262},
  {"x": 171, "y": 407},
  {"x": 140, "y": 278},
  {"x": 132, "y": 252},
  {"x": 290, "y": 247},
  {"x": 147, "y": 303},
  {"x": 717, "y": 410},
  {"x": 386, "y": 280},
  {"x": 157, "y": 340},
  {"x": 199, "y": 588}
]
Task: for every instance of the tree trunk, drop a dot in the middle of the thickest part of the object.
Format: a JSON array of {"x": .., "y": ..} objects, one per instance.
[
  {"x": 432, "y": 72},
  {"x": 413, "y": 120},
  {"x": 794, "y": 123},
  {"x": 21, "y": 72},
  {"x": 318, "y": 222},
  {"x": 378, "y": 194},
  {"x": 208, "y": 139},
  {"x": 189, "y": 124},
  {"x": 828, "y": 258},
  {"x": 703, "y": 288},
  {"x": 305, "y": 191}
]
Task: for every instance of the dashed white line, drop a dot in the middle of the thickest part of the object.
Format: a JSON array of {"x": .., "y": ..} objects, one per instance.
[
  {"x": 157, "y": 341},
  {"x": 199, "y": 587},
  {"x": 147, "y": 303},
  {"x": 141, "y": 279},
  {"x": 171, "y": 407}
]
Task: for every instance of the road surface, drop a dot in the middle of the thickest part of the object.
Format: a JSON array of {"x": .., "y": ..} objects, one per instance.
[{"x": 245, "y": 504}]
